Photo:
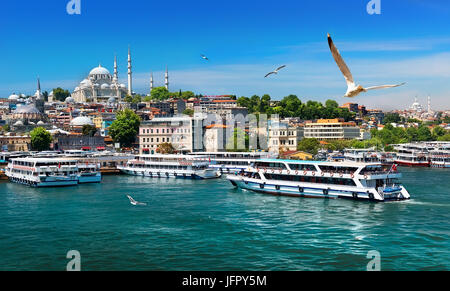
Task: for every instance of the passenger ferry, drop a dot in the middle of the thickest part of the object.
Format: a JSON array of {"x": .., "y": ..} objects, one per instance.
[
  {"x": 440, "y": 157},
  {"x": 369, "y": 156},
  {"x": 170, "y": 166},
  {"x": 43, "y": 172},
  {"x": 229, "y": 162},
  {"x": 414, "y": 155},
  {"x": 359, "y": 181},
  {"x": 89, "y": 173}
]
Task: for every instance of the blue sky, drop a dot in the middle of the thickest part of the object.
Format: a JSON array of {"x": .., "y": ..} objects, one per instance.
[{"x": 409, "y": 42}]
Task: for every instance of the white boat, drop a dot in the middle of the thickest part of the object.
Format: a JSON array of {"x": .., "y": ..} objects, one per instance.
[
  {"x": 440, "y": 157},
  {"x": 89, "y": 173},
  {"x": 170, "y": 166},
  {"x": 359, "y": 181},
  {"x": 43, "y": 172},
  {"x": 229, "y": 162},
  {"x": 413, "y": 155}
]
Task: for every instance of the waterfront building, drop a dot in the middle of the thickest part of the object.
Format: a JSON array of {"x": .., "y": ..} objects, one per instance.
[
  {"x": 13, "y": 143},
  {"x": 179, "y": 131},
  {"x": 215, "y": 138},
  {"x": 283, "y": 137},
  {"x": 332, "y": 129},
  {"x": 84, "y": 143}
]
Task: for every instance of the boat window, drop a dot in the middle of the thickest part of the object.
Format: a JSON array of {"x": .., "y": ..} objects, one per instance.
[{"x": 302, "y": 167}]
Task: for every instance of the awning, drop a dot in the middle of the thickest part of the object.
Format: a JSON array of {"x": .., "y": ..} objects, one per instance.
[
  {"x": 101, "y": 148},
  {"x": 86, "y": 148}
]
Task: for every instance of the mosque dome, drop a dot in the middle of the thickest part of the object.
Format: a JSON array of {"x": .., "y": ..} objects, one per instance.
[
  {"x": 99, "y": 71},
  {"x": 122, "y": 86},
  {"x": 70, "y": 100},
  {"x": 112, "y": 100},
  {"x": 27, "y": 109},
  {"x": 104, "y": 86},
  {"x": 81, "y": 121},
  {"x": 85, "y": 83},
  {"x": 40, "y": 123},
  {"x": 14, "y": 97},
  {"x": 18, "y": 123}
]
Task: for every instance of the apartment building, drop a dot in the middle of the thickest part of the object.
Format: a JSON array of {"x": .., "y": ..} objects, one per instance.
[
  {"x": 329, "y": 129},
  {"x": 283, "y": 137}
]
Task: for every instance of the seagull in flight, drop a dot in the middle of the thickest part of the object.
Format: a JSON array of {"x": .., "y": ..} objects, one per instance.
[
  {"x": 204, "y": 57},
  {"x": 276, "y": 71},
  {"x": 134, "y": 202},
  {"x": 353, "y": 90}
]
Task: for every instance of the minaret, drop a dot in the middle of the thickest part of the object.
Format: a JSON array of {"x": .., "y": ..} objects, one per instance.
[
  {"x": 130, "y": 85},
  {"x": 167, "y": 78},
  {"x": 38, "y": 93},
  {"x": 429, "y": 105},
  {"x": 116, "y": 74},
  {"x": 151, "y": 83}
]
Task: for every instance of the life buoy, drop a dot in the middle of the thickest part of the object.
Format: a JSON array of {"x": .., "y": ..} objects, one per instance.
[
  {"x": 305, "y": 172},
  {"x": 314, "y": 174},
  {"x": 341, "y": 175},
  {"x": 332, "y": 174},
  {"x": 353, "y": 176},
  {"x": 365, "y": 177},
  {"x": 296, "y": 172},
  {"x": 322, "y": 174}
]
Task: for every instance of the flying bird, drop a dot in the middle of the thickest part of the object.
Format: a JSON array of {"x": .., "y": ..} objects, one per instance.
[
  {"x": 276, "y": 71},
  {"x": 353, "y": 90},
  {"x": 204, "y": 57},
  {"x": 134, "y": 202}
]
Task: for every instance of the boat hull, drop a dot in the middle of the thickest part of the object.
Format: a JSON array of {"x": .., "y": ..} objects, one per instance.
[
  {"x": 195, "y": 175},
  {"x": 279, "y": 188},
  {"x": 88, "y": 179}
]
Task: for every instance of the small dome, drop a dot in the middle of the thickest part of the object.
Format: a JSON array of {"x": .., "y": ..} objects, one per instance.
[
  {"x": 32, "y": 123},
  {"x": 99, "y": 71},
  {"x": 13, "y": 97},
  {"x": 81, "y": 121},
  {"x": 23, "y": 96},
  {"x": 104, "y": 86},
  {"x": 18, "y": 123},
  {"x": 112, "y": 100},
  {"x": 85, "y": 83},
  {"x": 96, "y": 85},
  {"x": 40, "y": 123},
  {"x": 122, "y": 86},
  {"x": 70, "y": 100}
]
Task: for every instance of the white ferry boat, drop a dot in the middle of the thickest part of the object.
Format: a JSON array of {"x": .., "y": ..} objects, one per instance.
[
  {"x": 368, "y": 156},
  {"x": 359, "y": 181},
  {"x": 414, "y": 155},
  {"x": 170, "y": 166},
  {"x": 229, "y": 162},
  {"x": 43, "y": 172},
  {"x": 89, "y": 173},
  {"x": 440, "y": 157}
]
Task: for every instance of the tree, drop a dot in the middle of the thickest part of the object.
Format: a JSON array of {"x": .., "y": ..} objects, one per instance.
[
  {"x": 40, "y": 139},
  {"x": 239, "y": 142},
  {"x": 166, "y": 149},
  {"x": 424, "y": 134},
  {"x": 187, "y": 94},
  {"x": 128, "y": 99},
  {"x": 309, "y": 145},
  {"x": 160, "y": 93},
  {"x": 89, "y": 130},
  {"x": 331, "y": 104},
  {"x": 189, "y": 112},
  {"x": 391, "y": 118},
  {"x": 6, "y": 128},
  {"x": 136, "y": 99},
  {"x": 125, "y": 128},
  {"x": 60, "y": 94},
  {"x": 438, "y": 132},
  {"x": 444, "y": 137}
]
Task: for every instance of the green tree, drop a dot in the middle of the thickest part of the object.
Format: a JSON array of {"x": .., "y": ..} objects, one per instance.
[
  {"x": 424, "y": 134},
  {"x": 128, "y": 99},
  {"x": 444, "y": 137},
  {"x": 136, "y": 99},
  {"x": 166, "y": 149},
  {"x": 40, "y": 139},
  {"x": 60, "y": 94},
  {"x": 309, "y": 145},
  {"x": 331, "y": 104},
  {"x": 235, "y": 143},
  {"x": 438, "y": 132},
  {"x": 125, "y": 128},
  {"x": 391, "y": 118},
  {"x": 89, "y": 130},
  {"x": 160, "y": 93},
  {"x": 189, "y": 112},
  {"x": 187, "y": 94}
]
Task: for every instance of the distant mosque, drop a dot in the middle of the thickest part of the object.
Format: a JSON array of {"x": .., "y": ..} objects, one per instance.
[{"x": 102, "y": 87}]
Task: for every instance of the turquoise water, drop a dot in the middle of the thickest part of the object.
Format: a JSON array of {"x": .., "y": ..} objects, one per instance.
[{"x": 209, "y": 225}]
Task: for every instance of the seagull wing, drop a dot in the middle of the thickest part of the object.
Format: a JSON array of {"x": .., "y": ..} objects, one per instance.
[
  {"x": 384, "y": 87},
  {"x": 131, "y": 199},
  {"x": 340, "y": 61},
  {"x": 282, "y": 67},
  {"x": 269, "y": 74}
]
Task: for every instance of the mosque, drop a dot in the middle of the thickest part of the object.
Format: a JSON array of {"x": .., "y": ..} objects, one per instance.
[{"x": 102, "y": 87}]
